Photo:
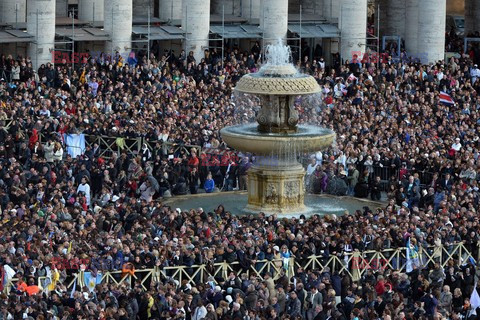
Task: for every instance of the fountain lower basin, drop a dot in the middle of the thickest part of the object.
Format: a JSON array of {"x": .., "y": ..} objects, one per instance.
[
  {"x": 277, "y": 186},
  {"x": 236, "y": 202},
  {"x": 307, "y": 139}
]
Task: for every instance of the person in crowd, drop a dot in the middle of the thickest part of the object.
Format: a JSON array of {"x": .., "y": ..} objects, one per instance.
[
  {"x": 209, "y": 185},
  {"x": 109, "y": 206}
]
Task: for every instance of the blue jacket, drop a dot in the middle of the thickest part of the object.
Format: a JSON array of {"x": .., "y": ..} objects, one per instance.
[{"x": 209, "y": 185}]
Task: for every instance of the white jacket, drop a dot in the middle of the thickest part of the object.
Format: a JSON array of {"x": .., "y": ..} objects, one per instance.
[{"x": 199, "y": 313}]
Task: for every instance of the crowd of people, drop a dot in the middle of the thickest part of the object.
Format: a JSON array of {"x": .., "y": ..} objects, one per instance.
[{"x": 97, "y": 213}]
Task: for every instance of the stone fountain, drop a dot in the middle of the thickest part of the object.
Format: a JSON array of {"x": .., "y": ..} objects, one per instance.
[{"x": 276, "y": 185}]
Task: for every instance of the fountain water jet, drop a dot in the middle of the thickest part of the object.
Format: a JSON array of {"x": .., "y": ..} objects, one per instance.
[{"x": 276, "y": 186}]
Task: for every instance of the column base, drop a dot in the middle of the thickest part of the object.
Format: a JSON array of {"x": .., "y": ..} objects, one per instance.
[{"x": 276, "y": 189}]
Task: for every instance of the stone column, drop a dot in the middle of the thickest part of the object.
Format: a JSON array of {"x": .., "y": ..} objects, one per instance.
[
  {"x": 274, "y": 20},
  {"x": 476, "y": 14},
  {"x": 196, "y": 22},
  {"x": 90, "y": 10},
  {"x": 395, "y": 18},
  {"x": 472, "y": 14},
  {"x": 61, "y": 9},
  {"x": 411, "y": 27},
  {"x": 232, "y": 7},
  {"x": 353, "y": 28},
  {"x": 12, "y": 11},
  {"x": 118, "y": 24},
  {"x": 170, "y": 10},
  {"x": 381, "y": 10},
  {"x": 140, "y": 8},
  {"x": 251, "y": 9},
  {"x": 308, "y": 6},
  {"x": 41, "y": 24},
  {"x": 331, "y": 9},
  {"x": 431, "y": 30}
]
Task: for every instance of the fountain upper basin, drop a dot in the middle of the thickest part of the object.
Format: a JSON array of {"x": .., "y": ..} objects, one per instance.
[
  {"x": 277, "y": 83},
  {"x": 246, "y": 138}
]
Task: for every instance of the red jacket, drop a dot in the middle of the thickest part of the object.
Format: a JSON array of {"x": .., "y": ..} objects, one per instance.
[{"x": 380, "y": 287}]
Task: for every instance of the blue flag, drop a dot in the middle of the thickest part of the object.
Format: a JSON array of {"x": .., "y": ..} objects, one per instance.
[{"x": 74, "y": 288}]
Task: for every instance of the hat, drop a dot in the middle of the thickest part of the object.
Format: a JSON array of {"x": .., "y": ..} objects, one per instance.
[
  {"x": 218, "y": 289},
  {"x": 156, "y": 238},
  {"x": 229, "y": 299},
  {"x": 276, "y": 248},
  {"x": 178, "y": 210},
  {"x": 188, "y": 287},
  {"x": 200, "y": 209},
  {"x": 115, "y": 198}
]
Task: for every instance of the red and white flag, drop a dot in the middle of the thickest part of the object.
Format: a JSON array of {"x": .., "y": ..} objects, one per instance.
[{"x": 445, "y": 98}]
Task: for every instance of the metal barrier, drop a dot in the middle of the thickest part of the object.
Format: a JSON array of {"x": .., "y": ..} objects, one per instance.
[
  {"x": 6, "y": 123},
  {"x": 109, "y": 145},
  {"x": 353, "y": 264}
]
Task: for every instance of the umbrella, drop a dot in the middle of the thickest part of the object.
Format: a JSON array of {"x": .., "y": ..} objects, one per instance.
[{"x": 153, "y": 182}]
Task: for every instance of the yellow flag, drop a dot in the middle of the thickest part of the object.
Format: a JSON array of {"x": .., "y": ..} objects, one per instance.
[
  {"x": 70, "y": 247},
  {"x": 82, "y": 77},
  {"x": 55, "y": 277}
]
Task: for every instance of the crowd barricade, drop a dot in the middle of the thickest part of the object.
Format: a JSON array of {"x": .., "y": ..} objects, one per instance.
[
  {"x": 354, "y": 264},
  {"x": 109, "y": 145},
  {"x": 113, "y": 144},
  {"x": 385, "y": 173},
  {"x": 6, "y": 123}
]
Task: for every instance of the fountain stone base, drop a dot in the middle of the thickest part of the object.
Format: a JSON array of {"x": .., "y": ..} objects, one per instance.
[{"x": 276, "y": 189}]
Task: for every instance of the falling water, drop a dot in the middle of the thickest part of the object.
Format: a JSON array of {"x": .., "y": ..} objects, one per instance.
[{"x": 278, "y": 54}]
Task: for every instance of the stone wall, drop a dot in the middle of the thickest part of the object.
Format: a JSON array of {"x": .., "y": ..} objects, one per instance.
[
  {"x": 308, "y": 6},
  {"x": 231, "y": 7}
]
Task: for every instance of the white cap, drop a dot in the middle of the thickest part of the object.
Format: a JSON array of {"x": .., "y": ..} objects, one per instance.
[
  {"x": 178, "y": 210},
  {"x": 115, "y": 198},
  {"x": 276, "y": 248},
  {"x": 229, "y": 299}
]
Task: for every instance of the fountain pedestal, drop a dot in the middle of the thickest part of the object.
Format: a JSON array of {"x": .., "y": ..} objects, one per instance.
[{"x": 276, "y": 189}]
